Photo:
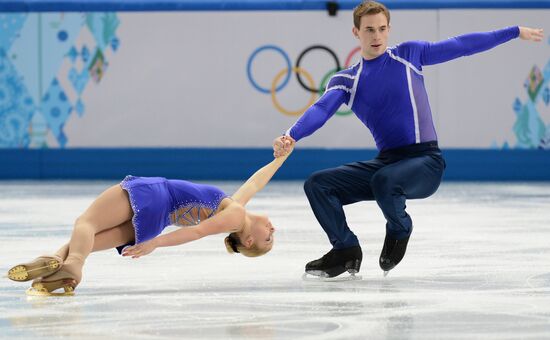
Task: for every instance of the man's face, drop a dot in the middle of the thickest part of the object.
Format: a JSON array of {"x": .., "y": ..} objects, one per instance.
[{"x": 373, "y": 35}]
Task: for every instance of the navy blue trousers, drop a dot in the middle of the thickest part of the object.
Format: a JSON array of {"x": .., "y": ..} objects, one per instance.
[{"x": 395, "y": 175}]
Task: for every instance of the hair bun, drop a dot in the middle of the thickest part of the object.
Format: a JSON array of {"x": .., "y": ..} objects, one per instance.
[{"x": 230, "y": 245}]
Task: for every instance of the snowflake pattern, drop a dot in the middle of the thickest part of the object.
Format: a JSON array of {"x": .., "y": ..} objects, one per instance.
[{"x": 36, "y": 98}]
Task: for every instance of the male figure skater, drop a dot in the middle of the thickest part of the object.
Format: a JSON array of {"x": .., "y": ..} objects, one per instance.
[{"x": 386, "y": 91}]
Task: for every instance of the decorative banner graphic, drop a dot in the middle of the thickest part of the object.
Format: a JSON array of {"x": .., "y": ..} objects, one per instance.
[
  {"x": 300, "y": 72},
  {"x": 34, "y": 91},
  {"x": 530, "y": 129}
]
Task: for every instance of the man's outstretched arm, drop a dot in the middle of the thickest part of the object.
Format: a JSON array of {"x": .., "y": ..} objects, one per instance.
[{"x": 472, "y": 43}]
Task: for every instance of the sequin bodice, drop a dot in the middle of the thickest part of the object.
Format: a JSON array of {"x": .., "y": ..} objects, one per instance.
[{"x": 193, "y": 203}]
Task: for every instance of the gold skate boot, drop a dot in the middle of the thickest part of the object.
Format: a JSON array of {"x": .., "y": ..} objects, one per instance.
[
  {"x": 39, "y": 267},
  {"x": 47, "y": 286}
]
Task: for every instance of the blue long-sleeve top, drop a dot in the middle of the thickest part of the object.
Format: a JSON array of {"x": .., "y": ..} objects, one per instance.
[{"x": 387, "y": 93}]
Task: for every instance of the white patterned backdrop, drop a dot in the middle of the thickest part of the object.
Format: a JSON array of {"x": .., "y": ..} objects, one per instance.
[{"x": 191, "y": 79}]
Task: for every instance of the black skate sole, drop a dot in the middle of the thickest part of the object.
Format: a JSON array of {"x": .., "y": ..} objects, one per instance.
[
  {"x": 328, "y": 272},
  {"x": 341, "y": 278}
]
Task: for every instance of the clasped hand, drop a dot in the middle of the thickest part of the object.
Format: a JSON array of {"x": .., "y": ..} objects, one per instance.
[{"x": 282, "y": 146}]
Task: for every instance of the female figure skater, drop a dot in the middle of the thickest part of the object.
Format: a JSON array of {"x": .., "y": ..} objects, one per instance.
[{"x": 131, "y": 216}]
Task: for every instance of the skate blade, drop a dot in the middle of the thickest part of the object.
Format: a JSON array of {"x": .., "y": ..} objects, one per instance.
[
  {"x": 32, "y": 291},
  {"x": 321, "y": 278},
  {"x": 386, "y": 273}
]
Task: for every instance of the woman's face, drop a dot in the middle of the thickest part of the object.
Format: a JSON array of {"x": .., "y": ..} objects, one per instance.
[{"x": 262, "y": 232}]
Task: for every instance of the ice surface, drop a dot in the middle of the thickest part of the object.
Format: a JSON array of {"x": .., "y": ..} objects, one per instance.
[{"x": 477, "y": 266}]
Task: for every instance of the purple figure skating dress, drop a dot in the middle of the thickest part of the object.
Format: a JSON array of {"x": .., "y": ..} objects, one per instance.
[{"x": 158, "y": 202}]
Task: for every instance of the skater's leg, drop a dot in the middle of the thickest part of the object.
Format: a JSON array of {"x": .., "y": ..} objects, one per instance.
[
  {"x": 327, "y": 192},
  {"x": 417, "y": 177},
  {"x": 47, "y": 265},
  {"x": 110, "y": 209},
  {"x": 412, "y": 178},
  {"x": 107, "y": 239},
  {"x": 63, "y": 252},
  {"x": 114, "y": 237}
]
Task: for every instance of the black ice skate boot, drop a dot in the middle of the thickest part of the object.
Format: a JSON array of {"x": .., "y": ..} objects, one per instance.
[
  {"x": 336, "y": 261},
  {"x": 392, "y": 252}
]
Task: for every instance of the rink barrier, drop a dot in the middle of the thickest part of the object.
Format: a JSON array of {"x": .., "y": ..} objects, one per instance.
[
  {"x": 251, "y": 5},
  {"x": 238, "y": 164}
]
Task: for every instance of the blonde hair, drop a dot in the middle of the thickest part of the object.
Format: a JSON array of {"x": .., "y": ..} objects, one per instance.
[
  {"x": 369, "y": 8},
  {"x": 233, "y": 245}
]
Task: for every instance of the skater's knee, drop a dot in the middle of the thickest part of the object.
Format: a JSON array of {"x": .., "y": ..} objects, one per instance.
[
  {"x": 309, "y": 184},
  {"x": 80, "y": 220},
  {"x": 84, "y": 222},
  {"x": 381, "y": 182},
  {"x": 315, "y": 181}
]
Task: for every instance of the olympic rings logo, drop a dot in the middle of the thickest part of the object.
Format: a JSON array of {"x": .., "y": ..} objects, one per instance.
[{"x": 282, "y": 77}]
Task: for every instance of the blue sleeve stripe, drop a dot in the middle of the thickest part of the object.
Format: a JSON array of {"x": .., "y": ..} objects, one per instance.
[
  {"x": 340, "y": 82},
  {"x": 344, "y": 75},
  {"x": 339, "y": 87},
  {"x": 355, "y": 82},
  {"x": 405, "y": 62}
]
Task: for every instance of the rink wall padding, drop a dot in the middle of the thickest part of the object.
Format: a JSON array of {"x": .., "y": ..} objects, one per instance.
[{"x": 239, "y": 164}]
